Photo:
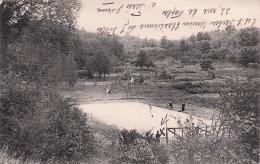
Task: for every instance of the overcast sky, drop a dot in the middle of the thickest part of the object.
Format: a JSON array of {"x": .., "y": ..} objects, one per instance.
[{"x": 90, "y": 19}]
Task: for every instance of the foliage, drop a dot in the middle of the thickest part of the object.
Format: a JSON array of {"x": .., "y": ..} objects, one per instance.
[
  {"x": 138, "y": 152},
  {"x": 249, "y": 54},
  {"x": 181, "y": 85},
  {"x": 100, "y": 63},
  {"x": 37, "y": 122},
  {"x": 211, "y": 146},
  {"x": 143, "y": 60},
  {"x": 233, "y": 135},
  {"x": 249, "y": 50},
  {"x": 248, "y": 37},
  {"x": 240, "y": 46},
  {"x": 36, "y": 39},
  {"x": 241, "y": 110},
  {"x": 86, "y": 45},
  {"x": 163, "y": 42},
  {"x": 84, "y": 74},
  {"x": 206, "y": 64},
  {"x": 164, "y": 75},
  {"x": 16, "y": 15},
  {"x": 41, "y": 53},
  {"x": 141, "y": 148}
]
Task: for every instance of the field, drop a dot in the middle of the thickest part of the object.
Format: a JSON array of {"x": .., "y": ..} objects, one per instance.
[{"x": 190, "y": 86}]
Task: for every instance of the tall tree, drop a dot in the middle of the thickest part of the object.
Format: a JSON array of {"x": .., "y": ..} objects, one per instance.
[
  {"x": 117, "y": 48},
  {"x": 248, "y": 39},
  {"x": 15, "y": 15},
  {"x": 100, "y": 63},
  {"x": 143, "y": 60},
  {"x": 164, "y": 42}
]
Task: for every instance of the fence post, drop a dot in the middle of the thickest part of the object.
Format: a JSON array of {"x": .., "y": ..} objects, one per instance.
[{"x": 166, "y": 133}]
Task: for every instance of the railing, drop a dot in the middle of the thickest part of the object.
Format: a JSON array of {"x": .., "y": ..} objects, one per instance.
[{"x": 205, "y": 131}]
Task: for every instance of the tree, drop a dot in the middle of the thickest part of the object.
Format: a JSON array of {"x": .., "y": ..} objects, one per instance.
[
  {"x": 100, "y": 63},
  {"x": 202, "y": 36},
  {"x": 204, "y": 46},
  {"x": 68, "y": 72},
  {"x": 41, "y": 51},
  {"x": 184, "y": 46},
  {"x": 117, "y": 48},
  {"x": 249, "y": 54},
  {"x": 16, "y": 15},
  {"x": 248, "y": 39},
  {"x": 142, "y": 60},
  {"x": 164, "y": 42}
]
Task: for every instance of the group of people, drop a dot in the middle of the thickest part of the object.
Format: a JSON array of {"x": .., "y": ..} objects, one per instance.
[{"x": 182, "y": 106}]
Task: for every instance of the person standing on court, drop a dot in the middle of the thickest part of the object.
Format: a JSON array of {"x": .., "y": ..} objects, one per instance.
[
  {"x": 157, "y": 136},
  {"x": 182, "y": 107},
  {"x": 150, "y": 109},
  {"x": 170, "y": 104}
]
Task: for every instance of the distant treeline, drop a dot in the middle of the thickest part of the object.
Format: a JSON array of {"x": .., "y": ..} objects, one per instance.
[{"x": 239, "y": 46}]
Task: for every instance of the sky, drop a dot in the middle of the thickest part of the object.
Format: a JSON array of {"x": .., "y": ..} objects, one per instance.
[{"x": 155, "y": 12}]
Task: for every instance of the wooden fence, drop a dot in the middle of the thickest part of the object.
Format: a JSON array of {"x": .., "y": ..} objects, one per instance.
[{"x": 179, "y": 132}]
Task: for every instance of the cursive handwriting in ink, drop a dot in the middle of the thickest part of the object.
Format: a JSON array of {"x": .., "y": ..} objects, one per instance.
[{"x": 173, "y": 13}]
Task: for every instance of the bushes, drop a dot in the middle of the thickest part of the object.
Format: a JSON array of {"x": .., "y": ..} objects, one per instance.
[
  {"x": 164, "y": 75},
  {"x": 138, "y": 152},
  {"x": 241, "y": 109},
  {"x": 85, "y": 74},
  {"x": 36, "y": 122},
  {"x": 232, "y": 138},
  {"x": 139, "y": 148},
  {"x": 215, "y": 147},
  {"x": 181, "y": 85},
  {"x": 206, "y": 64}
]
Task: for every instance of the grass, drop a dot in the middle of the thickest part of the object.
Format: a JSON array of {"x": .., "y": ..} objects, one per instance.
[{"x": 159, "y": 93}]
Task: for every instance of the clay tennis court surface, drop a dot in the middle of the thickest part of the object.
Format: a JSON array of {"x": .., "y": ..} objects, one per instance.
[{"x": 135, "y": 115}]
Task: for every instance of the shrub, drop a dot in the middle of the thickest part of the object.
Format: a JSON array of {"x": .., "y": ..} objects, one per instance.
[
  {"x": 139, "y": 152},
  {"x": 165, "y": 75},
  {"x": 241, "y": 109},
  {"x": 119, "y": 69},
  {"x": 232, "y": 138},
  {"x": 126, "y": 76},
  {"x": 211, "y": 75},
  {"x": 206, "y": 64},
  {"x": 139, "y": 148},
  {"x": 215, "y": 147},
  {"x": 37, "y": 122},
  {"x": 181, "y": 85},
  {"x": 85, "y": 74},
  {"x": 143, "y": 60}
]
